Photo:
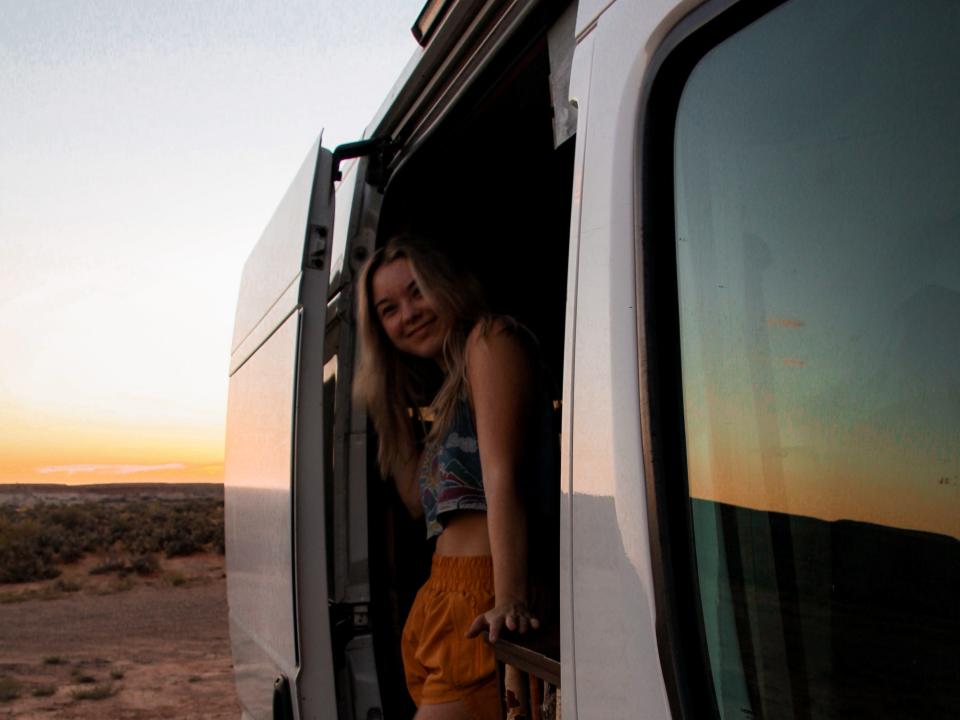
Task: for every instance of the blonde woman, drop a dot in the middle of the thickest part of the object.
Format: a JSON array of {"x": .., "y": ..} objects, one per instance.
[{"x": 465, "y": 478}]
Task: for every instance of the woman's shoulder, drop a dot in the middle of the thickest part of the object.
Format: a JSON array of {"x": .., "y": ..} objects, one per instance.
[
  {"x": 500, "y": 330},
  {"x": 502, "y": 341}
]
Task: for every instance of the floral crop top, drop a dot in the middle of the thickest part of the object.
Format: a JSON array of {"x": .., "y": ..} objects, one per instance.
[{"x": 449, "y": 475}]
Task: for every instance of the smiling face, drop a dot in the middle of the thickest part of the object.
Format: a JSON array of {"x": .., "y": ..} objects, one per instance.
[{"x": 409, "y": 320}]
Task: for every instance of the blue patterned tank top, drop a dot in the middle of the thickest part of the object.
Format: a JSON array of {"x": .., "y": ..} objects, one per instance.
[{"x": 449, "y": 474}]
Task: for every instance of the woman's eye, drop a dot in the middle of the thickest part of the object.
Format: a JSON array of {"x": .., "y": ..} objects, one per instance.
[{"x": 387, "y": 311}]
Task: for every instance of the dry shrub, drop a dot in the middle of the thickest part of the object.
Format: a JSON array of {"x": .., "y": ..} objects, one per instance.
[
  {"x": 97, "y": 692},
  {"x": 175, "y": 578},
  {"x": 34, "y": 540},
  {"x": 82, "y": 678},
  {"x": 146, "y": 564},
  {"x": 24, "y": 554},
  {"x": 10, "y": 689},
  {"x": 110, "y": 564},
  {"x": 67, "y": 586}
]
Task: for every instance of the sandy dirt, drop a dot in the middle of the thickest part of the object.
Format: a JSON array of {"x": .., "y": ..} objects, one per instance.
[{"x": 124, "y": 648}]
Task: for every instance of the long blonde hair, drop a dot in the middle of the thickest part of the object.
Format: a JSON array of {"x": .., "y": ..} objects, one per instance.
[{"x": 393, "y": 385}]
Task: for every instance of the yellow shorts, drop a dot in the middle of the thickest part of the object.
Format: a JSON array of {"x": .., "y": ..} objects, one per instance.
[{"x": 440, "y": 664}]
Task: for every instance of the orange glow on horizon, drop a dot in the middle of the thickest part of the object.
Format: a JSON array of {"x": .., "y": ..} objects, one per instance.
[
  {"x": 88, "y": 471},
  {"x": 797, "y": 482},
  {"x": 109, "y": 473},
  {"x": 91, "y": 453}
]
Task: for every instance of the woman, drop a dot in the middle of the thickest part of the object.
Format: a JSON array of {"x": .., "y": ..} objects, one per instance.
[{"x": 415, "y": 311}]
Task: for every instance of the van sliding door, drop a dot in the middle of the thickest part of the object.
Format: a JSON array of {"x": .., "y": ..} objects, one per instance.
[{"x": 274, "y": 485}]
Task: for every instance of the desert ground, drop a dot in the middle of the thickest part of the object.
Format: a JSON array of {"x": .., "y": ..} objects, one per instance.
[{"x": 124, "y": 646}]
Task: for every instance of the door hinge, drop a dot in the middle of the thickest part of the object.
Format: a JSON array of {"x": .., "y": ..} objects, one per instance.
[{"x": 317, "y": 246}]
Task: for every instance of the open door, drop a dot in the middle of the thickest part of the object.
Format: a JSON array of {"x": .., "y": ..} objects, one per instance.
[{"x": 274, "y": 477}]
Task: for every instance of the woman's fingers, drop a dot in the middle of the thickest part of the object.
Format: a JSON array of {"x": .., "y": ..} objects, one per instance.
[
  {"x": 495, "y": 624},
  {"x": 516, "y": 620},
  {"x": 479, "y": 623}
]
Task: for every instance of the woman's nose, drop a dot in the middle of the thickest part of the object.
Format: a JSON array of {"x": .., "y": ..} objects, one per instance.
[{"x": 409, "y": 312}]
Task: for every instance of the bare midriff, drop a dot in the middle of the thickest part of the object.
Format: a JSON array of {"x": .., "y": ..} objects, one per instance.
[{"x": 464, "y": 534}]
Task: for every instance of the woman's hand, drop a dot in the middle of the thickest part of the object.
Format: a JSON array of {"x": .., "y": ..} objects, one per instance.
[{"x": 513, "y": 614}]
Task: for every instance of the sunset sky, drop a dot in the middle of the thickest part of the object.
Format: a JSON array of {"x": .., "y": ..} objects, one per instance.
[
  {"x": 819, "y": 268},
  {"x": 144, "y": 146}
]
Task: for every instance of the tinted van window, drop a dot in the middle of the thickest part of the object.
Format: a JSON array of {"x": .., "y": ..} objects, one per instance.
[{"x": 817, "y": 201}]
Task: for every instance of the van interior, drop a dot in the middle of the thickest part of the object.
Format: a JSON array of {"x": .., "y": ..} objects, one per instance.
[{"x": 493, "y": 187}]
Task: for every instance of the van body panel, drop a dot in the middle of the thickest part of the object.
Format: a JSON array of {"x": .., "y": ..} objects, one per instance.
[
  {"x": 579, "y": 96},
  {"x": 279, "y": 311},
  {"x": 314, "y": 688},
  {"x": 424, "y": 65},
  {"x": 277, "y": 258},
  {"x": 617, "y": 665},
  {"x": 274, "y": 485},
  {"x": 588, "y": 11},
  {"x": 260, "y": 582},
  {"x": 468, "y": 37}
]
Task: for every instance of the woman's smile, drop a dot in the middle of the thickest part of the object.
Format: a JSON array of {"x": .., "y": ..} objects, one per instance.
[{"x": 422, "y": 328}]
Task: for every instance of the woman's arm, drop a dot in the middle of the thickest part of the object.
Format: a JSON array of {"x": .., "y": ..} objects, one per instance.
[{"x": 501, "y": 381}]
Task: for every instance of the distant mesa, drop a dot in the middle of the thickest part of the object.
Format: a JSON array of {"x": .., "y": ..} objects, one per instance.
[{"x": 30, "y": 493}]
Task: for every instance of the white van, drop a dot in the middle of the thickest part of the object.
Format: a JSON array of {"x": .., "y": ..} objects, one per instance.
[{"x": 735, "y": 229}]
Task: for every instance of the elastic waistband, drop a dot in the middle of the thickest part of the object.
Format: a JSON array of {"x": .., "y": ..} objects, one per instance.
[{"x": 454, "y": 572}]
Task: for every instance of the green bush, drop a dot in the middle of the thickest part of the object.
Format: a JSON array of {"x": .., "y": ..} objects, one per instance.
[
  {"x": 10, "y": 689},
  {"x": 175, "y": 578},
  {"x": 179, "y": 547},
  {"x": 67, "y": 586},
  {"x": 23, "y": 554},
  {"x": 35, "y": 540},
  {"x": 146, "y": 564},
  {"x": 110, "y": 564},
  {"x": 97, "y": 692}
]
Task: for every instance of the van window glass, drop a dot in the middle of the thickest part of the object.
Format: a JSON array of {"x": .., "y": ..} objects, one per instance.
[{"x": 817, "y": 201}]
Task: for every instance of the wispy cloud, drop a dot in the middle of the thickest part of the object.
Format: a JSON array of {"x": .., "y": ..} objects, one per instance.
[
  {"x": 785, "y": 322},
  {"x": 106, "y": 469}
]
